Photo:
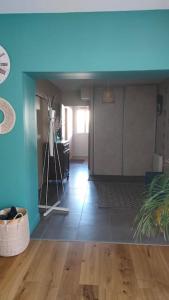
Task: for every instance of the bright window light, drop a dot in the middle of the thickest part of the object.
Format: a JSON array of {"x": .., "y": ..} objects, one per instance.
[{"x": 82, "y": 120}]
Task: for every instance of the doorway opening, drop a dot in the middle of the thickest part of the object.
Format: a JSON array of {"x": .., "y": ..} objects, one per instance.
[{"x": 121, "y": 126}]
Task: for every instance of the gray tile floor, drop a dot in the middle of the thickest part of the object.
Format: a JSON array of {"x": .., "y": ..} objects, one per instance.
[{"x": 86, "y": 221}]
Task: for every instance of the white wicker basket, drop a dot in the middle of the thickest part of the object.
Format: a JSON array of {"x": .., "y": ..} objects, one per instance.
[{"x": 14, "y": 234}]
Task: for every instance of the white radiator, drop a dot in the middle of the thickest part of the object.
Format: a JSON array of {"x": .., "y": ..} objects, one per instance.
[{"x": 157, "y": 162}]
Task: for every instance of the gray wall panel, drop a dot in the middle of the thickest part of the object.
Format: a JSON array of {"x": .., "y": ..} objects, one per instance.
[
  {"x": 108, "y": 123},
  {"x": 139, "y": 129}
]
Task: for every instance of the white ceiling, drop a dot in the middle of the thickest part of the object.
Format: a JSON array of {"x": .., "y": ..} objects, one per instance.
[{"x": 41, "y": 6}]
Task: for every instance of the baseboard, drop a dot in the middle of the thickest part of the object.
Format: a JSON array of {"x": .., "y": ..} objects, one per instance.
[{"x": 116, "y": 178}]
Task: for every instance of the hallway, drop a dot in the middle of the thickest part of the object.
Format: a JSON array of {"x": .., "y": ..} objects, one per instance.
[{"x": 99, "y": 211}]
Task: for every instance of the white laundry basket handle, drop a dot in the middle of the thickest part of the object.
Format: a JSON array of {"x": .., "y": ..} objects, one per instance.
[{"x": 18, "y": 214}]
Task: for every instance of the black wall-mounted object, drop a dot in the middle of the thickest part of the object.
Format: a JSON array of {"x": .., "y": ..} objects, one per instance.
[{"x": 159, "y": 104}]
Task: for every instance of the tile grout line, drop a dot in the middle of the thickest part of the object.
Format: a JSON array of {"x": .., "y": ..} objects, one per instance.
[{"x": 81, "y": 216}]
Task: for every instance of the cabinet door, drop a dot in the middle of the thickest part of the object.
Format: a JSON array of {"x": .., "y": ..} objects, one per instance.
[
  {"x": 139, "y": 129},
  {"x": 108, "y": 126}
]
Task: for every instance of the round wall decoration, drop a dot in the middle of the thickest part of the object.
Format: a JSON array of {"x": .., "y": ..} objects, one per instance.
[
  {"x": 4, "y": 64},
  {"x": 9, "y": 116}
]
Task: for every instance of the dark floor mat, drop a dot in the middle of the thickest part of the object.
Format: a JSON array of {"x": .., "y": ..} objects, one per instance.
[{"x": 119, "y": 195}]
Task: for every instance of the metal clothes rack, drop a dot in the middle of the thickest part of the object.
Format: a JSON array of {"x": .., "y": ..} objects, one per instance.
[{"x": 51, "y": 149}]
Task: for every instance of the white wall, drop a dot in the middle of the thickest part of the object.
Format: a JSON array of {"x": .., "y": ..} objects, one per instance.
[
  {"x": 46, "y": 88},
  {"x": 16, "y": 6},
  {"x": 67, "y": 126},
  {"x": 124, "y": 131},
  {"x": 72, "y": 98}
]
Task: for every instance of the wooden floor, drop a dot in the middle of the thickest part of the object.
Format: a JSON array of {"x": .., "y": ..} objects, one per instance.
[{"x": 84, "y": 271}]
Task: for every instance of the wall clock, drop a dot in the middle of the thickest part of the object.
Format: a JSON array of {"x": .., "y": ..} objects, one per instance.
[
  {"x": 4, "y": 64},
  {"x": 9, "y": 116}
]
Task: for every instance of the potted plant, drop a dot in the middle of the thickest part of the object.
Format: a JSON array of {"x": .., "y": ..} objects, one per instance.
[{"x": 153, "y": 217}]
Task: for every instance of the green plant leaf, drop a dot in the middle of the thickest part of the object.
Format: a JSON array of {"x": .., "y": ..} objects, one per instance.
[{"x": 153, "y": 216}]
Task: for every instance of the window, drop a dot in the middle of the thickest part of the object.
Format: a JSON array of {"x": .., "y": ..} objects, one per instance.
[{"x": 82, "y": 120}]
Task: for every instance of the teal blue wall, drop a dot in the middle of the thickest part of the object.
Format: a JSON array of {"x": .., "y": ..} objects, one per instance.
[{"x": 82, "y": 42}]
